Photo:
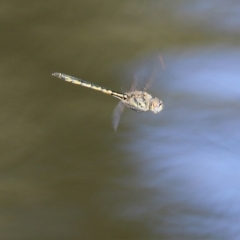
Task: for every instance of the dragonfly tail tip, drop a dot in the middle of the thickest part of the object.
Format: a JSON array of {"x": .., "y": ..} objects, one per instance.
[{"x": 55, "y": 74}]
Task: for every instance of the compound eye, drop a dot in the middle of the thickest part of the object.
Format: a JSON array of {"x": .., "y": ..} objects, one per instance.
[{"x": 154, "y": 104}]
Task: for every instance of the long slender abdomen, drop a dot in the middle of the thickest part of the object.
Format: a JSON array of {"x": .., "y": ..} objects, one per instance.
[{"x": 81, "y": 82}]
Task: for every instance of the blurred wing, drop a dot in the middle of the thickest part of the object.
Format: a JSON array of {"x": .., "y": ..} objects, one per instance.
[
  {"x": 135, "y": 83},
  {"x": 149, "y": 81},
  {"x": 117, "y": 115},
  {"x": 144, "y": 79}
]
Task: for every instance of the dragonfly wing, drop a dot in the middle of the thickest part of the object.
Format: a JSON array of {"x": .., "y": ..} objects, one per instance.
[
  {"x": 135, "y": 83},
  {"x": 148, "y": 82},
  {"x": 117, "y": 115}
]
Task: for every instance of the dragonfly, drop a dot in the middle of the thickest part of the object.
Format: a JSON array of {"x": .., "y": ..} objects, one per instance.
[{"x": 139, "y": 101}]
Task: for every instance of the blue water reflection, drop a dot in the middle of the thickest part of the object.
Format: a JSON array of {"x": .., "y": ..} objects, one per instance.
[
  {"x": 224, "y": 17},
  {"x": 187, "y": 158}
]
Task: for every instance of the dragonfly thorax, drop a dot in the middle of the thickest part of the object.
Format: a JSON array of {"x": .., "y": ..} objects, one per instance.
[{"x": 138, "y": 101}]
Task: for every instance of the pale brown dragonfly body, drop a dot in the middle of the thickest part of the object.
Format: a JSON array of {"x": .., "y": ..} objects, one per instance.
[{"x": 139, "y": 101}]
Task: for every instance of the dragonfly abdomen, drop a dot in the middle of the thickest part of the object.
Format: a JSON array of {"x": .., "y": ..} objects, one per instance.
[{"x": 81, "y": 82}]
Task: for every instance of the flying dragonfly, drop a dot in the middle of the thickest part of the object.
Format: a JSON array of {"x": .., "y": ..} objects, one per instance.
[{"x": 139, "y": 101}]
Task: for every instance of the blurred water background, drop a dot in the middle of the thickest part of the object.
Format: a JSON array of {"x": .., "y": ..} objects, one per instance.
[{"x": 65, "y": 174}]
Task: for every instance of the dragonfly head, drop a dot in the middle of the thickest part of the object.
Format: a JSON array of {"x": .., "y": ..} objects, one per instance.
[{"x": 156, "y": 105}]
